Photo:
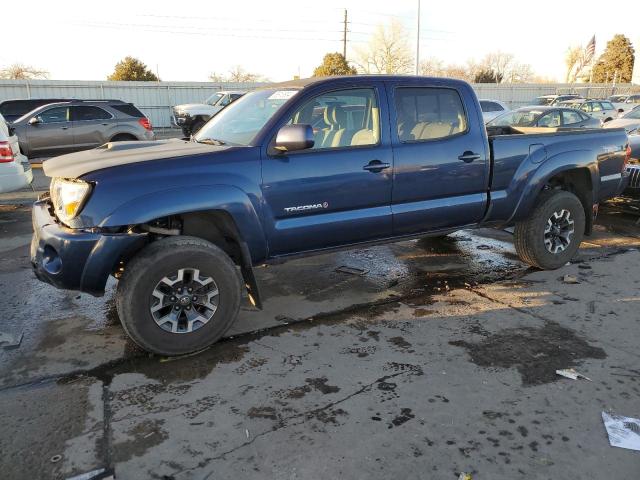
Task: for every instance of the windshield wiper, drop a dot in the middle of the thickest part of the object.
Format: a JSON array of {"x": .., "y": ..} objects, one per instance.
[{"x": 211, "y": 141}]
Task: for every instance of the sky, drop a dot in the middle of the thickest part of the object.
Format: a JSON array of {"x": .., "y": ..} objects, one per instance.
[{"x": 187, "y": 41}]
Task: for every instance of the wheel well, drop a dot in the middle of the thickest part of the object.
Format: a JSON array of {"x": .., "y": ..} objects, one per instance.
[
  {"x": 578, "y": 182},
  {"x": 119, "y": 137},
  {"x": 215, "y": 226}
]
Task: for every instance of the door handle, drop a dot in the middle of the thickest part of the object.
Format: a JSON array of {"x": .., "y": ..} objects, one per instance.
[
  {"x": 63, "y": 128},
  {"x": 376, "y": 166},
  {"x": 468, "y": 156}
]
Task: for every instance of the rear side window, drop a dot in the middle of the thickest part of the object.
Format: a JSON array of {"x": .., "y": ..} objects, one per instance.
[
  {"x": 570, "y": 117},
  {"x": 607, "y": 106},
  {"x": 84, "y": 113},
  {"x": 426, "y": 113},
  {"x": 551, "y": 119},
  {"x": 128, "y": 109}
]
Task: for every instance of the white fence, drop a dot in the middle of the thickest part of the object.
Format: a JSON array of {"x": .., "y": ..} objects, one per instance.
[{"x": 155, "y": 99}]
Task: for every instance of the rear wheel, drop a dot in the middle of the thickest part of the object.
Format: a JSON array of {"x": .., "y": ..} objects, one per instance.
[
  {"x": 178, "y": 295},
  {"x": 123, "y": 137},
  {"x": 550, "y": 237}
]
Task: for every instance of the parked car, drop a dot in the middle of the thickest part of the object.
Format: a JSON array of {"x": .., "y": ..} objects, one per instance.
[
  {"x": 617, "y": 98},
  {"x": 15, "y": 169},
  {"x": 492, "y": 108},
  {"x": 79, "y": 125},
  {"x": 630, "y": 121},
  {"x": 625, "y": 103},
  {"x": 546, "y": 117},
  {"x": 190, "y": 117},
  {"x": 602, "y": 110},
  {"x": 13, "y": 109},
  {"x": 180, "y": 222},
  {"x": 547, "y": 100}
]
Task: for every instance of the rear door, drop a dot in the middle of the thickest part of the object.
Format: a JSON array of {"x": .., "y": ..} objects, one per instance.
[
  {"x": 339, "y": 191},
  {"x": 52, "y": 132},
  {"x": 91, "y": 126},
  {"x": 441, "y": 158}
]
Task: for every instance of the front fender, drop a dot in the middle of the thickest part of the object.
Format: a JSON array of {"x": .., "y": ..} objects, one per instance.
[
  {"x": 516, "y": 201},
  {"x": 198, "y": 198}
]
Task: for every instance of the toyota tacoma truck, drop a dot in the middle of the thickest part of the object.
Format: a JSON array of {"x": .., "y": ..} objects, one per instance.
[{"x": 302, "y": 168}]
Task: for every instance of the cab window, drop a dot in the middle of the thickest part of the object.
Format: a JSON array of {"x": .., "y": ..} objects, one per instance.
[
  {"x": 427, "y": 113},
  {"x": 345, "y": 118}
]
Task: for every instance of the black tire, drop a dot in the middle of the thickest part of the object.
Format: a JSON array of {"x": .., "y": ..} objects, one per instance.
[
  {"x": 529, "y": 234},
  {"x": 196, "y": 125},
  {"x": 123, "y": 137},
  {"x": 161, "y": 259}
]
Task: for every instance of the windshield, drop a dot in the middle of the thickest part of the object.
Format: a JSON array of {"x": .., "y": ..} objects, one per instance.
[
  {"x": 519, "y": 118},
  {"x": 213, "y": 99},
  {"x": 240, "y": 122},
  {"x": 633, "y": 114}
]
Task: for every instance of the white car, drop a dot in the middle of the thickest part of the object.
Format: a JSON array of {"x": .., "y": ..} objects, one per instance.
[
  {"x": 15, "y": 169},
  {"x": 602, "y": 110},
  {"x": 190, "y": 117},
  {"x": 630, "y": 121},
  {"x": 492, "y": 108}
]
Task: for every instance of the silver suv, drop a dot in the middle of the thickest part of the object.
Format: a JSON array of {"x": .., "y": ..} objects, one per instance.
[{"x": 64, "y": 127}]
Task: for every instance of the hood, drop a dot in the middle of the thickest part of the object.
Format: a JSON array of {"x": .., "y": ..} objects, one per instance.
[
  {"x": 196, "y": 106},
  {"x": 112, "y": 154}
]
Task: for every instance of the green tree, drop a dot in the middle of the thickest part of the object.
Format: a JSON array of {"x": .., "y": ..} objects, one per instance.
[
  {"x": 334, "y": 64},
  {"x": 487, "y": 76},
  {"x": 131, "y": 69},
  {"x": 616, "y": 61}
]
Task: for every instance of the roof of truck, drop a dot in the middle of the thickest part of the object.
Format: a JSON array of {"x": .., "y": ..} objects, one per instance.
[{"x": 306, "y": 82}]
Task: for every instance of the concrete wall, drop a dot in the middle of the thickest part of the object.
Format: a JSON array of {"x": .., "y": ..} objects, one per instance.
[{"x": 155, "y": 99}]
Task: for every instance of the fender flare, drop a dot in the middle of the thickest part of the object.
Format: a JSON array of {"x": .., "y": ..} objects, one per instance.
[
  {"x": 552, "y": 166},
  {"x": 174, "y": 201}
]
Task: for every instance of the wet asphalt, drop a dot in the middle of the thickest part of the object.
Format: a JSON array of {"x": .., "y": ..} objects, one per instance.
[{"x": 421, "y": 359}]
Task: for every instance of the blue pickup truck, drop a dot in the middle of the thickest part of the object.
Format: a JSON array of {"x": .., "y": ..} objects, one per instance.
[{"x": 304, "y": 167}]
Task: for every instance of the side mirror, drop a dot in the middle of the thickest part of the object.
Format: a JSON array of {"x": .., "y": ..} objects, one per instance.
[
  {"x": 294, "y": 137},
  {"x": 34, "y": 121}
]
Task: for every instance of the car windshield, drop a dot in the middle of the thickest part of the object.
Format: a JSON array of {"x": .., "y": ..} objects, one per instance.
[
  {"x": 633, "y": 114},
  {"x": 239, "y": 123},
  {"x": 519, "y": 118},
  {"x": 213, "y": 99}
]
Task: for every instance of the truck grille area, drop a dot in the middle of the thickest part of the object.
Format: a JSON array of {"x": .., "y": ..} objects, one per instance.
[{"x": 634, "y": 176}]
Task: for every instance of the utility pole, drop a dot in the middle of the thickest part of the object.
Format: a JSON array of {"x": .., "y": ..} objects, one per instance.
[
  {"x": 344, "y": 36},
  {"x": 418, "y": 42}
]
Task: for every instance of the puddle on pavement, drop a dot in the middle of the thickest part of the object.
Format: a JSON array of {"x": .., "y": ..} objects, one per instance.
[{"x": 536, "y": 352}]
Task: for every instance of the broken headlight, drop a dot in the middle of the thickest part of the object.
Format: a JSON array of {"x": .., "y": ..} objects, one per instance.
[{"x": 68, "y": 197}]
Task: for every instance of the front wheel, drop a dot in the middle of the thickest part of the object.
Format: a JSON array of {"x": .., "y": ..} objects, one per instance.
[
  {"x": 550, "y": 237},
  {"x": 178, "y": 295}
]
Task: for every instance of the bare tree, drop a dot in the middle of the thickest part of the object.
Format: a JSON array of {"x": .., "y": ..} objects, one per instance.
[
  {"x": 505, "y": 68},
  {"x": 237, "y": 75},
  {"x": 432, "y": 67},
  {"x": 576, "y": 60},
  {"x": 18, "y": 71},
  {"x": 388, "y": 51}
]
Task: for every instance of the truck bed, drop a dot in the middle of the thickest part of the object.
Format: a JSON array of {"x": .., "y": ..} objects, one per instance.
[{"x": 519, "y": 154}]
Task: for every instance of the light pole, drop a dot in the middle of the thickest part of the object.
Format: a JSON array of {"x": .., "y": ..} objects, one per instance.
[{"x": 418, "y": 42}]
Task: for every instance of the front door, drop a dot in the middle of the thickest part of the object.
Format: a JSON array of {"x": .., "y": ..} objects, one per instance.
[
  {"x": 441, "y": 159},
  {"x": 339, "y": 191},
  {"x": 52, "y": 133}
]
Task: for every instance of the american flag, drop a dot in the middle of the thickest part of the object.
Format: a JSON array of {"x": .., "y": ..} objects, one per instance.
[{"x": 590, "y": 49}]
